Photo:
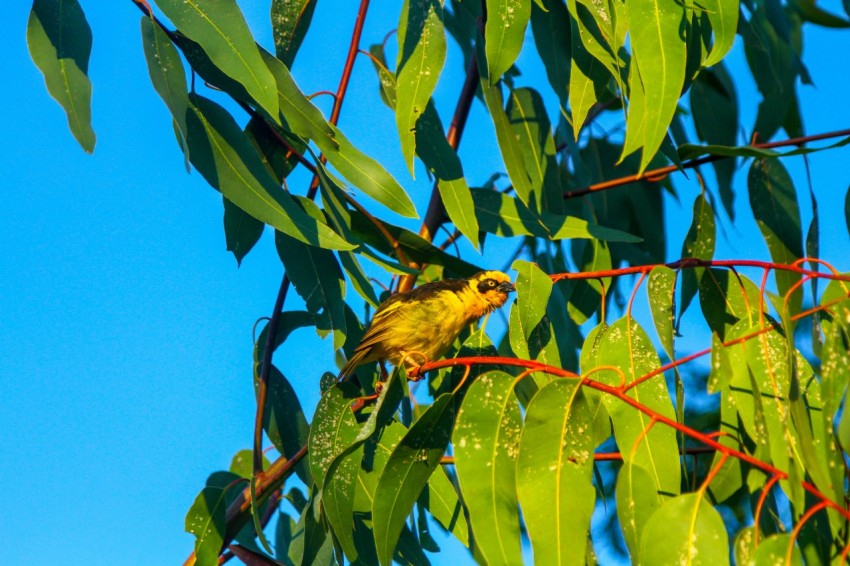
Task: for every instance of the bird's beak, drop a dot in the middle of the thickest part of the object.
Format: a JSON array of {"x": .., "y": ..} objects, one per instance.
[{"x": 506, "y": 287}]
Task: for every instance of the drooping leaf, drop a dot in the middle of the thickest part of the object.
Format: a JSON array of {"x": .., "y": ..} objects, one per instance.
[
  {"x": 725, "y": 299},
  {"x": 486, "y": 444},
  {"x": 637, "y": 500},
  {"x": 333, "y": 431},
  {"x": 554, "y": 473},
  {"x": 241, "y": 230},
  {"x": 509, "y": 146},
  {"x": 318, "y": 279},
  {"x": 167, "y": 73},
  {"x": 533, "y": 288},
  {"x": 311, "y": 546},
  {"x": 685, "y": 530},
  {"x": 773, "y": 200},
  {"x": 60, "y": 40},
  {"x": 504, "y": 33},
  {"x": 206, "y": 517},
  {"x": 422, "y": 54},
  {"x": 659, "y": 53},
  {"x": 284, "y": 421},
  {"x": 699, "y": 243},
  {"x": 551, "y": 30},
  {"x": 774, "y": 550},
  {"x": 221, "y": 30},
  {"x": 223, "y": 155},
  {"x": 723, "y": 16},
  {"x": 625, "y": 346},
  {"x": 661, "y": 290},
  {"x": 587, "y": 295},
  {"x": 588, "y": 80},
  {"x": 532, "y": 130},
  {"x": 714, "y": 105},
  {"x": 412, "y": 462},
  {"x": 290, "y": 21}
]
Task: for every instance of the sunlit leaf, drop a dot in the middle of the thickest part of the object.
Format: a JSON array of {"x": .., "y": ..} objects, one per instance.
[
  {"x": 59, "y": 40},
  {"x": 554, "y": 473},
  {"x": 486, "y": 444},
  {"x": 206, "y": 518},
  {"x": 533, "y": 288},
  {"x": 699, "y": 243},
  {"x": 422, "y": 54},
  {"x": 637, "y": 500},
  {"x": 661, "y": 290},
  {"x": 685, "y": 530},
  {"x": 723, "y": 16},
  {"x": 504, "y": 33}
]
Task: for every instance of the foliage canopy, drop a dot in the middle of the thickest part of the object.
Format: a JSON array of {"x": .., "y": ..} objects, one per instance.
[{"x": 583, "y": 410}]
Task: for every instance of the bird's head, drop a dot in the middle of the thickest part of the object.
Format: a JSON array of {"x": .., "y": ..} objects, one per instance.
[{"x": 492, "y": 286}]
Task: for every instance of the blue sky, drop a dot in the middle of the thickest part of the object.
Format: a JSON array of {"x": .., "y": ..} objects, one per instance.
[{"x": 125, "y": 343}]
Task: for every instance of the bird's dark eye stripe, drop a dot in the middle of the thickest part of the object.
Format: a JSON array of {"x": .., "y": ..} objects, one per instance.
[{"x": 486, "y": 285}]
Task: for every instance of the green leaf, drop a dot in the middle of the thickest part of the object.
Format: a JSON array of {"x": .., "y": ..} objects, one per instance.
[
  {"x": 659, "y": 53},
  {"x": 585, "y": 296},
  {"x": 414, "y": 246},
  {"x": 504, "y": 33},
  {"x": 506, "y": 216},
  {"x": 811, "y": 12},
  {"x": 690, "y": 151},
  {"x": 533, "y": 288},
  {"x": 532, "y": 130},
  {"x": 318, "y": 279},
  {"x": 714, "y": 105},
  {"x": 59, "y": 40},
  {"x": 442, "y": 161},
  {"x": 486, "y": 444},
  {"x": 551, "y": 30},
  {"x": 311, "y": 545},
  {"x": 422, "y": 54},
  {"x": 588, "y": 80},
  {"x": 699, "y": 243},
  {"x": 624, "y": 345},
  {"x": 725, "y": 299},
  {"x": 241, "y": 230},
  {"x": 290, "y": 22},
  {"x": 509, "y": 146},
  {"x": 774, "y": 550},
  {"x": 219, "y": 27},
  {"x": 661, "y": 290},
  {"x": 167, "y": 75},
  {"x": 284, "y": 420},
  {"x": 637, "y": 500},
  {"x": 412, "y": 462},
  {"x": 223, "y": 155},
  {"x": 685, "y": 530},
  {"x": 206, "y": 518},
  {"x": 289, "y": 321},
  {"x": 723, "y": 17},
  {"x": 555, "y": 471},
  {"x": 333, "y": 466},
  {"x": 773, "y": 200},
  {"x": 441, "y": 499}
]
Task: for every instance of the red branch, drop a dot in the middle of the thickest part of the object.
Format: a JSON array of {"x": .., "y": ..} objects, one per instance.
[{"x": 658, "y": 174}]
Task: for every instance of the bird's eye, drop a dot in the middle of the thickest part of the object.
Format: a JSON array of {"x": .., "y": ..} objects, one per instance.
[{"x": 491, "y": 283}]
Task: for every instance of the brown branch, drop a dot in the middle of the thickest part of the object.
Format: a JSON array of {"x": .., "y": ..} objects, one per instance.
[{"x": 660, "y": 173}]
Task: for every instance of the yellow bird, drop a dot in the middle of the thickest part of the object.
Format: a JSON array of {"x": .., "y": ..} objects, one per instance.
[{"x": 420, "y": 324}]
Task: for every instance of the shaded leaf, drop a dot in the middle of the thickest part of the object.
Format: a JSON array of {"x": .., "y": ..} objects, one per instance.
[
  {"x": 241, "y": 230},
  {"x": 59, "y": 40},
  {"x": 206, "y": 517},
  {"x": 284, "y": 421},
  {"x": 223, "y": 155},
  {"x": 412, "y": 462},
  {"x": 551, "y": 30},
  {"x": 637, "y": 500},
  {"x": 699, "y": 243}
]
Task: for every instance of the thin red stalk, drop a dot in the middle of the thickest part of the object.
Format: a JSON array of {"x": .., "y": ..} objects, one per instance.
[
  {"x": 694, "y": 262},
  {"x": 799, "y": 526},
  {"x": 662, "y": 172}
]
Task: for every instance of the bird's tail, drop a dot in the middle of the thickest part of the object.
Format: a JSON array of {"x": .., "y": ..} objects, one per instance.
[{"x": 359, "y": 357}]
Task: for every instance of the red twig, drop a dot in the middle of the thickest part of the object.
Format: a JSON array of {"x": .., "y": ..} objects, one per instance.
[{"x": 662, "y": 172}]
